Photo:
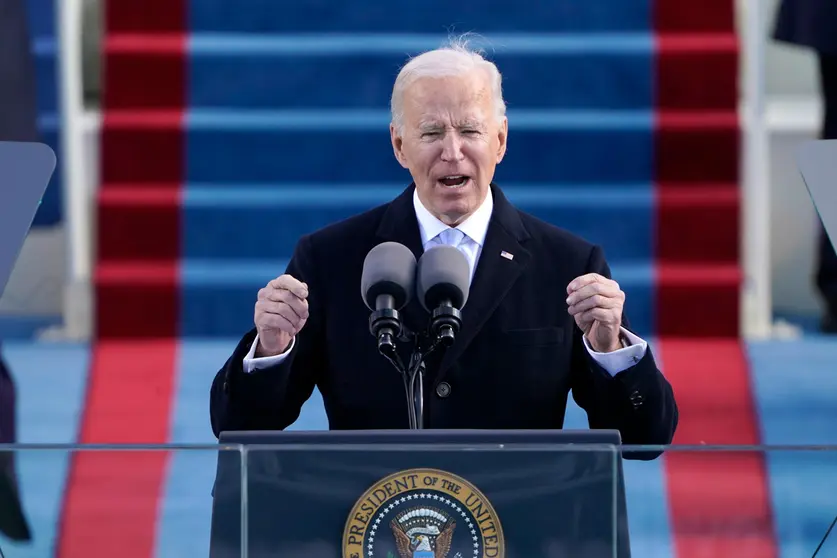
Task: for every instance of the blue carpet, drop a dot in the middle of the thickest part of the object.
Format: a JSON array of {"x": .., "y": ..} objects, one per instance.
[
  {"x": 51, "y": 385},
  {"x": 433, "y": 16},
  {"x": 795, "y": 389}
]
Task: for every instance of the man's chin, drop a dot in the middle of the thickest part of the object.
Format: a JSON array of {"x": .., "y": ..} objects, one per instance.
[{"x": 452, "y": 216}]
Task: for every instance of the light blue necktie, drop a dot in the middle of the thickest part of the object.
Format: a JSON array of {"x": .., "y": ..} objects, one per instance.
[{"x": 451, "y": 237}]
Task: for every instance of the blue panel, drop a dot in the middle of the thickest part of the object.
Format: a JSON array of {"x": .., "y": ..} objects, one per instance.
[
  {"x": 51, "y": 381},
  {"x": 428, "y": 16},
  {"x": 223, "y": 224},
  {"x": 217, "y": 299},
  {"x": 270, "y": 72},
  {"x": 794, "y": 388},
  {"x": 355, "y": 147}
]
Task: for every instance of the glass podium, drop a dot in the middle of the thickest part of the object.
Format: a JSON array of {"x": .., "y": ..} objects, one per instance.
[
  {"x": 422, "y": 494},
  {"x": 358, "y": 500}
]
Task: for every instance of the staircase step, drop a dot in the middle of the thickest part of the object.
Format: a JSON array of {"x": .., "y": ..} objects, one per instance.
[
  {"x": 200, "y": 298},
  {"x": 230, "y": 223},
  {"x": 591, "y": 71},
  {"x": 698, "y": 300},
  {"x": 221, "y": 222},
  {"x": 46, "y": 75},
  {"x": 429, "y": 16},
  {"x": 139, "y": 224},
  {"x": 354, "y": 146},
  {"x": 259, "y": 16},
  {"x": 216, "y": 300},
  {"x": 137, "y": 299},
  {"x": 684, "y": 16},
  {"x": 42, "y": 18},
  {"x": 698, "y": 224},
  {"x": 218, "y": 225}
]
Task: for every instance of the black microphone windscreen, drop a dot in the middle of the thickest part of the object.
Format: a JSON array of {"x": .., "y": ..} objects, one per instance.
[
  {"x": 389, "y": 269},
  {"x": 443, "y": 274}
]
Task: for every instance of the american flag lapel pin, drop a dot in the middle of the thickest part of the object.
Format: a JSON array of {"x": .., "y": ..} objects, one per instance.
[{"x": 507, "y": 255}]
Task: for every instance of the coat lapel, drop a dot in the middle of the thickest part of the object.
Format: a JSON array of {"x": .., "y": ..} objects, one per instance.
[
  {"x": 400, "y": 224},
  {"x": 495, "y": 274}
]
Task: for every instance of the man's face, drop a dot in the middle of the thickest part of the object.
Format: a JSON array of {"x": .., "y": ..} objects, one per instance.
[{"x": 451, "y": 142}]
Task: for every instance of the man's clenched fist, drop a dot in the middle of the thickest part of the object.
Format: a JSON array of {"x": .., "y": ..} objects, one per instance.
[{"x": 281, "y": 313}]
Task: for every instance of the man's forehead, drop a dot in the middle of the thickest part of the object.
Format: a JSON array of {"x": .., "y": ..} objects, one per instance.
[
  {"x": 472, "y": 85},
  {"x": 462, "y": 103}
]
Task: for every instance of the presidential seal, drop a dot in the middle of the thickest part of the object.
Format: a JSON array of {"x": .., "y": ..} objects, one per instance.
[{"x": 423, "y": 513}]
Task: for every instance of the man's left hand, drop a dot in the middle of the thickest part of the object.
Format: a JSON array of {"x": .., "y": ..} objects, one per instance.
[{"x": 596, "y": 303}]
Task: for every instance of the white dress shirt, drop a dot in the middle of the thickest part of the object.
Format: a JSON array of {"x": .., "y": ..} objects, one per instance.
[{"x": 471, "y": 235}]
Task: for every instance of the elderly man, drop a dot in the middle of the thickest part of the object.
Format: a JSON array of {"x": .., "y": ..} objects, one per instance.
[
  {"x": 18, "y": 122},
  {"x": 813, "y": 24},
  {"x": 543, "y": 316}
]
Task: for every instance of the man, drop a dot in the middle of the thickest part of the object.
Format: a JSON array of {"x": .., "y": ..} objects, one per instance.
[
  {"x": 7, "y": 405},
  {"x": 539, "y": 322},
  {"x": 813, "y": 24},
  {"x": 18, "y": 122}
]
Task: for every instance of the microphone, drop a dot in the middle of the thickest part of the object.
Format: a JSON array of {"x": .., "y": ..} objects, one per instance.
[
  {"x": 387, "y": 284},
  {"x": 442, "y": 283}
]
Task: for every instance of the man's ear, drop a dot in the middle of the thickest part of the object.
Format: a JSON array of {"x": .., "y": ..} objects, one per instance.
[
  {"x": 503, "y": 137},
  {"x": 397, "y": 145}
]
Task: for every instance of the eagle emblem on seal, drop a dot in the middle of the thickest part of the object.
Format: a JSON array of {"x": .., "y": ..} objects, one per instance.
[{"x": 423, "y": 532}]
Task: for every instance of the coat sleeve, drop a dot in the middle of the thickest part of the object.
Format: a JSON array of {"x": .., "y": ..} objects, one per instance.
[
  {"x": 271, "y": 398},
  {"x": 639, "y": 401}
]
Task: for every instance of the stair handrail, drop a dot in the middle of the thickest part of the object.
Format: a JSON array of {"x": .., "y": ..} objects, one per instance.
[
  {"x": 756, "y": 300},
  {"x": 77, "y": 195}
]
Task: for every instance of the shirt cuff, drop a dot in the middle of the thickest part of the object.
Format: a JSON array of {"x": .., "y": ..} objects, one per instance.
[
  {"x": 251, "y": 363},
  {"x": 620, "y": 359}
]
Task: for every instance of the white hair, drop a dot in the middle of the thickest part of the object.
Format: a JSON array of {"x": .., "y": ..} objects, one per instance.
[{"x": 454, "y": 59}]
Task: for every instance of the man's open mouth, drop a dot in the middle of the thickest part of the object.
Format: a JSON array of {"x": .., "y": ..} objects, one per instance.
[{"x": 454, "y": 180}]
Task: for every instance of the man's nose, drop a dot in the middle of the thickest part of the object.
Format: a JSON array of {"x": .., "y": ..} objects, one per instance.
[{"x": 452, "y": 147}]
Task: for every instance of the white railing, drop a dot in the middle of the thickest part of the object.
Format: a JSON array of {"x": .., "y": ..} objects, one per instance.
[
  {"x": 756, "y": 304},
  {"x": 78, "y": 199}
]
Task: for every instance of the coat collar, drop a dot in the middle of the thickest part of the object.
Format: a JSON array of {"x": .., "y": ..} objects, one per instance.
[{"x": 495, "y": 274}]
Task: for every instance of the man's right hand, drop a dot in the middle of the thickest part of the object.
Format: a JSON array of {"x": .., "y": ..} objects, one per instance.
[{"x": 281, "y": 313}]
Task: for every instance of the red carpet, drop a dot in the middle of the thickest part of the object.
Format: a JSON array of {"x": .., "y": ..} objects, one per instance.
[
  {"x": 719, "y": 502},
  {"x": 697, "y": 169},
  {"x": 143, "y": 163},
  {"x": 112, "y": 500}
]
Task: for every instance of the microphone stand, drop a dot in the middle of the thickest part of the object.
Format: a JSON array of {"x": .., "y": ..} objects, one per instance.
[{"x": 385, "y": 325}]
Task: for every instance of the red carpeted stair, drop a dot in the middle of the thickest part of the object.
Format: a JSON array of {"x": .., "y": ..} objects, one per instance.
[
  {"x": 697, "y": 169},
  {"x": 113, "y": 498},
  {"x": 719, "y": 502}
]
